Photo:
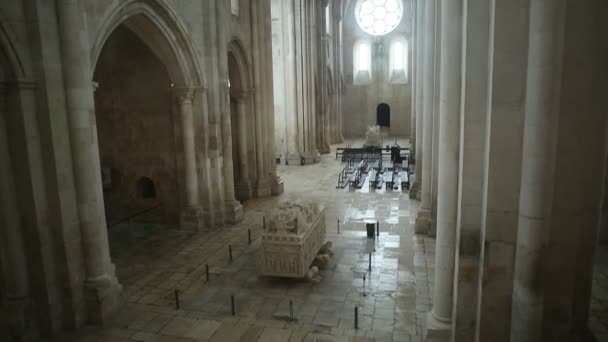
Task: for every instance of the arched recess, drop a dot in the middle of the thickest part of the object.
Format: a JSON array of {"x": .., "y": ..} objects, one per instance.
[
  {"x": 160, "y": 28},
  {"x": 383, "y": 115},
  {"x": 173, "y": 83},
  {"x": 242, "y": 116}
]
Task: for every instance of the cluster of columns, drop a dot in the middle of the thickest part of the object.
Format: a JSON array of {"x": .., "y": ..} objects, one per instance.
[
  {"x": 50, "y": 177},
  {"x": 191, "y": 216},
  {"x": 501, "y": 119},
  {"x": 329, "y": 92},
  {"x": 267, "y": 183},
  {"x": 101, "y": 286},
  {"x": 243, "y": 186},
  {"x": 308, "y": 90}
]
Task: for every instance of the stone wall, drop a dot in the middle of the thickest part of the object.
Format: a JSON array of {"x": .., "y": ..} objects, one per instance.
[
  {"x": 135, "y": 126},
  {"x": 361, "y": 101},
  {"x": 50, "y": 49}
]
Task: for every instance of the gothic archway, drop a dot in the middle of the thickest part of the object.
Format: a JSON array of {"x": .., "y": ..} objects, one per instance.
[
  {"x": 383, "y": 115},
  {"x": 148, "y": 85},
  {"x": 241, "y": 115},
  {"x": 155, "y": 23}
]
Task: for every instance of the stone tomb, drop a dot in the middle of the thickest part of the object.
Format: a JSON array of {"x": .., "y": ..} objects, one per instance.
[{"x": 292, "y": 238}]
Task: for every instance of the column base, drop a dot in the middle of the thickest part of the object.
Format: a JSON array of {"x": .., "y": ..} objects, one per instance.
[
  {"x": 423, "y": 221},
  {"x": 243, "y": 190},
  {"x": 192, "y": 219},
  {"x": 234, "y": 212},
  {"x": 311, "y": 157},
  {"x": 437, "y": 329},
  {"x": 102, "y": 297},
  {"x": 304, "y": 158},
  {"x": 324, "y": 149},
  {"x": 415, "y": 191},
  {"x": 277, "y": 187},
  {"x": 433, "y": 229},
  {"x": 263, "y": 188},
  {"x": 15, "y": 319}
]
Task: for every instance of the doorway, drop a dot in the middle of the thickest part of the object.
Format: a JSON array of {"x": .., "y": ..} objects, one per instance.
[{"x": 383, "y": 115}]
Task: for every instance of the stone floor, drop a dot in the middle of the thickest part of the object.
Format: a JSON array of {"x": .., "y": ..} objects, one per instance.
[
  {"x": 598, "y": 323},
  {"x": 154, "y": 263}
]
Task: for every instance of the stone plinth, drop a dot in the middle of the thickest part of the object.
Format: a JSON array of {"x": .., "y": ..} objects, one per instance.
[
  {"x": 292, "y": 239},
  {"x": 373, "y": 137}
]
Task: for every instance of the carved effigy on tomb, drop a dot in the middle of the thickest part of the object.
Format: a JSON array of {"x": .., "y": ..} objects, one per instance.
[
  {"x": 373, "y": 137},
  {"x": 294, "y": 234}
]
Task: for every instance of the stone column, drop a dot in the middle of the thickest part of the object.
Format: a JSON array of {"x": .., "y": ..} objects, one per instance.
[
  {"x": 416, "y": 186},
  {"x": 263, "y": 186},
  {"x": 242, "y": 102},
  {"x": 191, "y": 216},
  {"x": 413, "y": 71},
  {"x": 449, "y": 144},
  {"x": 469, "y": 235},
  {"x": 424, "y": 219},
  {"x": 101, "y": 283},
  {"x": 276, "y": 183},
  {"x": 234, "y": 209},
  {"x": 435, "y": 139},
  {"x": 12, "y": 250},
  {"x": 186, "y": 118},
  {"x": 541, "y": 117}
]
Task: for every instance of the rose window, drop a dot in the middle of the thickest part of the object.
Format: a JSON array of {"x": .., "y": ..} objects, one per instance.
[{"x": 379, "y": 17}]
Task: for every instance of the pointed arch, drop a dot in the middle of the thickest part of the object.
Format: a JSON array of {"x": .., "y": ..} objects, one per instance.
[
  {"x": 156, "y": 24},
  {"x": 236, "y": 49},
  {"x": 13, "y": 65}
]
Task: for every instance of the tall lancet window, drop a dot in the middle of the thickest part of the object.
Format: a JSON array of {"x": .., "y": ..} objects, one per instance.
[
  {"x": 234, "y": 6},
  {"x": 362, "y": 62},
  {"x": 398, "y": 62},
  {"x": 328, "y": 19}
]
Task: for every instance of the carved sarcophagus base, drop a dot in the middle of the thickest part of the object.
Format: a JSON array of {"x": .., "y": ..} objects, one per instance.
[{"x": 293, "y": 238}]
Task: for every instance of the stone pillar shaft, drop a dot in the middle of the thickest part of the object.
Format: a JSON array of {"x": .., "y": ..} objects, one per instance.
[
  {"x": 541, "y": 117},
  {"x": 12, "y": 250},
  {"x": 418, "y": 84},
  {"x": 242, "y": 127},
  {"x": 423, "y": 220},
  {"x": 449, "y": 131},
  {"x": 257, "y": 96},
  {"x": 101, "y": 286},
  {"x": 85, "y": 154},
  {"x": 188, "y": 144}
]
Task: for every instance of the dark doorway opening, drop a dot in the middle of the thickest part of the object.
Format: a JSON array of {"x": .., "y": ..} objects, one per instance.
[
  {"x": 383, "y": 115},
  {"x": 146, "y": 188}
]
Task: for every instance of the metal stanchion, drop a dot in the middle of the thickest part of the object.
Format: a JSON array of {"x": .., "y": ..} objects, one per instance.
[{"x": 232, "y": 305}]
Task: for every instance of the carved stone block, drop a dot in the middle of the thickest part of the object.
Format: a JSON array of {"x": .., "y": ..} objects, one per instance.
[{"x": 294, "y": 235}]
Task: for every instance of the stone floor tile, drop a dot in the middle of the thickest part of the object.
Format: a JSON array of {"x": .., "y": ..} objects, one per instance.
[{"x": 275, "y": 335}]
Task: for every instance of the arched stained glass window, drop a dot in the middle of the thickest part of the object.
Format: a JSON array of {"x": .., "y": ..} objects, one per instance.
[
  {"x": 362, "y": 62},
  {"x": 398, "y": 62},
  {"x": 365, "y": 55},
  {"x": 397, "y": 56}
]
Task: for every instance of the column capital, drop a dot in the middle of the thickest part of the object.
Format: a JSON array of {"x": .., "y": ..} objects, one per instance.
[
  {"x": 243, "y": 95},
  {"x": 19, "y": 84},
  {"x": 182, "y": 94}
]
